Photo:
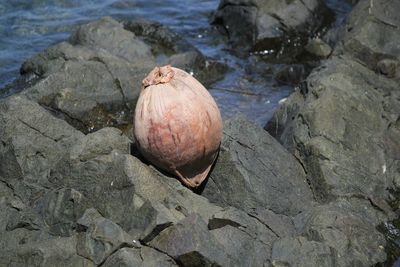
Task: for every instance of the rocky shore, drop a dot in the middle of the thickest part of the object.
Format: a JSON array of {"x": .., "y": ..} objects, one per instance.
[{"x": 311, "y": 189}]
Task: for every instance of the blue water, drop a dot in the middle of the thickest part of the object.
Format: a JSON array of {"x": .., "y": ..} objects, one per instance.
[{"x": 30, "y": 26}]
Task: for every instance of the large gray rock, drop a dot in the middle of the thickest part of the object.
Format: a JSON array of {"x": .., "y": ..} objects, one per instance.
[
  {"x": 371, "y": 34},
  {"x": 268, "y": 25},
  {"x": 342, "y": 130},
  {"x": 343, "y": 126},
  {"x": 299, "y": 252},
  {"x": 144, "y": 257},
  {"x": 191, "y": 244},
  {"x": 253, "y": 170},
  {"x": 347, "y": 227},
  {"x": 94, "y": 79},
  {"x": 99, "y": 237}
]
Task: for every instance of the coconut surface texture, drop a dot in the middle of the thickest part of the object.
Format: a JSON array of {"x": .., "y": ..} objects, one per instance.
[{"x": 178, "y": 125}]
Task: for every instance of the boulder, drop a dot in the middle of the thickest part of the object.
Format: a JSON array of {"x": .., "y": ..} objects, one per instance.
[
  {"x": 99, "y": 237},
  {"x": 274, "y": 25},
  {"x": 339, "y": 130},
  {"x": 94, "y": 79},
  {"x": 253, "y": 170},
  {"x": 370, "y": 33},
  {"x": 298, "y": 251},
  {"x": 144, "y": 257},
  {"x": 348, "y": 228},
  {"x": 342, "y": 125},
  {"x": 191, "y": 244}
]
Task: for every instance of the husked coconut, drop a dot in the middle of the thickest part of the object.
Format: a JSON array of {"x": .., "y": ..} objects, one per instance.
[{"x": 178, "y": 126}]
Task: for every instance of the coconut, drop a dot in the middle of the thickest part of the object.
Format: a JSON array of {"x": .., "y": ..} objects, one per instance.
[{"x": 178, "y": 125}]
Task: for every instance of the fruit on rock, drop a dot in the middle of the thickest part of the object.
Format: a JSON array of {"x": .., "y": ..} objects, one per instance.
[{"x": 178, "y": 125}]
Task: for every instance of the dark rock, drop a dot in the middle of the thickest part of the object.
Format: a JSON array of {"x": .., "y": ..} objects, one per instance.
[
  {"x": 389, "y": 68},
  {"x": 370, "y": 33},
  {"x": 268, "y": 25},
  {"x": 291, "y": 74},
  {"x": 107, "y": 34},
  {"x": 51, "y": 252},
  {"x": 299, "y": 251},
  {"x": 247, "y": 239},
  {"x": 60, "y": 209},
  {"x": 99, "y": 237},
  {"x": 318, "y": 48},
  {"x": 349, "y": 228},
  {"x": 94, "y": 79},
  {"x": 190, "y": 244},
  {"x": 32, "y": 143},
  {"x": 177, "y": 51},
  {"x": 338, "y": 132},
  {"x": 145, "y": 257},
  {"x": 280, "y": 225},
  {"x": 254, "y": 170}
]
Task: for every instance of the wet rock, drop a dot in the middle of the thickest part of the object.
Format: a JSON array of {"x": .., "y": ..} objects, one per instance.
[
  {"x": 93, "y": 80},
  {"x": 291, "y": 74},
  {"x": 170, "y": 48},
  {"x": 318, "y": 48},
  {"x": 190, "y": 244},
  {"x": 254, "y": 170},
  {"x": 264, "y": 25},
  {"x": 107, "y": 34},
  {"x": 99, "y": 237}
]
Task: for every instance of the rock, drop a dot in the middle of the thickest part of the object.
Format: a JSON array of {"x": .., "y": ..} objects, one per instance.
[
  {"x": 32, "y": 143},
  {"x": 264, "y": 25},
  {"x": 145, "y": 257},
  {"x": 107, "y": 34},
  {"x": 343, "y": 127},
  {"x": 389, "y": 68},
  {"x": 347, "y": 157},
  {"x": 51, "y": 252},
  {"x": 291, "y": 74},
  {"x": 177, "y": 51},
  {"x": 246, "y": 239},
  {"x": 60, "y": 209},
  {"x": 318, "y": 48},
  {"x": 299, "y": 251},
  {"x": 93, "y": 81},
  {"x": 99, "y": 237},
  {"x": 280, "y": 225},
  {"x": 99, "y": 143},
  {"x": 348, "y": 227},
  {"x": 253, "y": 170},
  {"x": 370, "y": 33},
  {"x": 190, "y": 244}
]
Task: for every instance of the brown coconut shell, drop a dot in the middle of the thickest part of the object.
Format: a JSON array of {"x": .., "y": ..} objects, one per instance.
[{"x": 178, "y": 125}]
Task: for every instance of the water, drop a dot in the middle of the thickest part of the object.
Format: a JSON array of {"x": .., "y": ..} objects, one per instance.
[{"x": 30, "y": 26}]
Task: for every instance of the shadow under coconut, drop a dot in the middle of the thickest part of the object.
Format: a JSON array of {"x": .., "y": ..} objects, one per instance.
[{"x": 134, "y": 151}]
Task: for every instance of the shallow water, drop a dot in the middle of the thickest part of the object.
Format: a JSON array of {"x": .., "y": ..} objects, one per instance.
[{"x": 30, "y": 26}]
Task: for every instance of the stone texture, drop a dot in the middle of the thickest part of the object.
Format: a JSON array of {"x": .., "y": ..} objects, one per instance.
[
  {"x": 94, "y": 79},
  {"x": 268, "y": 25},
  {"x": 253, "y": 170}
]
